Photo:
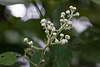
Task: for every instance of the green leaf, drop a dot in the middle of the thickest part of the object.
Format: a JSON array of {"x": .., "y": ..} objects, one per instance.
[
  {"x": 63, "y": 56},
  {"x": 9, "y": 2},
  {"x": 96, "y": 1},
  {"x": 8, "y": 58}
]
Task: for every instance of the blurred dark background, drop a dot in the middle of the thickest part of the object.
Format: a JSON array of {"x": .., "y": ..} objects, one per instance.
[{"x": 20, "y": 19}]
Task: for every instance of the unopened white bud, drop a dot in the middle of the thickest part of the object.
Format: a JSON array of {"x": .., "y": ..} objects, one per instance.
[
  {"x": 43, "y": 21},
  {"x": 30, "y": 43},
  {"x": 62, "y": 16},
  {"x": 61, "y": 35},
  {"x": 67, "y": 12},
  {"x": 61, "y": 20},
  {"x": 67, "y": 37},
  {"x": 74, "y": 8},
  {"x": 49, "y": 22},
  {"x": 43, "y": 61},
  {"x": 46, "y": 31},
  {"x": 54, "y": 34},
  {"x": 53, "y": 29},
  {"x": 63, "y": 13},
  {"x": 63, "y": 41},
  {"x": 77, "y": 14},
  {"x": 69, "y": 22},
  {"x": 43, "y": 24},
  {"x": 66, "y": 41},
  {"x": 25, "y": 40},
  {"x": 49, "y": 27},
  {"x": 56, "y": 41},
  {"x": 65, "y": 20},
  {"x": 71, "y": 7},
  {"x": 67, "y": 25}
]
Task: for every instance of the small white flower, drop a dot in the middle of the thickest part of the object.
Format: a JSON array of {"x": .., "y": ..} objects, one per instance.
[
  {"x": 63, "y": 13},
  {"x": 62, "y": 16},
  {"x": 53, "y": 29},
  {"x": 65, "y": 20},
  {"x": 46, "y": 31},
  {"x": 43, "y": 21},
  {"x": 68, "y": 12},
  {"x": 30, "y": 43},
  {"x": 49, "y": 27},
  {"x": 54, "y": 34},
  {"x": 61, "y": 35},
  {"x": 43, "y": 24},
  {"x": 67, "y": 37},
  {"x": 63, "y": 41},
  {"x": 25, "y": 40},
  {"x": 74, "y": 8},
  {"x": 71, "y": 7},
  {"x": 66, "y": 41},
  {"x": 43, "y": 61},
  {"x": 56, "y": 41},
  {"x": 61, "y": 20},
  {"x": 49, "y": 22},
  {"x": 77, "y": 14}
]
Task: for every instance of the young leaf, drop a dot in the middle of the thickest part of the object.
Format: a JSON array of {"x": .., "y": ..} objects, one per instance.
[{"x": 8, "y": 58}]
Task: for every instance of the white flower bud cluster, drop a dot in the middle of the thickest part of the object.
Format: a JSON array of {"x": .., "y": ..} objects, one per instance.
[
  {"x": 66, "y": 24},
  {"x": 62, "y": 39},
  {"x": 66, "y": 21},
  {"x": 49, "y": 28},
  {"x": 30, "y": 42}
]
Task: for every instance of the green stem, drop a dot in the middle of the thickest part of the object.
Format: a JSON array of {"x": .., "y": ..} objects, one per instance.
[
  {"x": 30, "y": 61},
  {"x": 42, "y": 54},
  {"x": 37, "y": 48}
]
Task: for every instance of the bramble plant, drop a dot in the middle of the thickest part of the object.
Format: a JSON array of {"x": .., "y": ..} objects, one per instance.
[
  {"x": 52, "y": 34},
  {"x": 52, "y": 38}
]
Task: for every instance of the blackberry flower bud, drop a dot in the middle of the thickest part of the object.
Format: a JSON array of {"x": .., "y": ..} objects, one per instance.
[
  {"x": 77, "y": 14},
  {"x": 69, "y": 22},
  {"x": 65, "y": 20},
  {"x": 30, "y": 43},
  {"x": 67, "y": 37},
  {"x": 49, "y": 22},
  {"x": 54, "y": 34},
  {"x": 53, "y": 29},
  {"x": 61, "y": 35},
  {"x": 63, "y": 41},
  {"x": 25, "y": 40},
  {"x": 61, "y": 20},
  {"x": 49, "y": 27},
  {"x": 71, "y": 7},
  {"x": 63, "y": 13},
  {"x": 43, "y": 21},
  {"x": 74, "y": 8},
  {"x": 46, "y": 31},
  {"x": 68, "y": 12},
  {"x": 43, "y": 24},
  {"x": 56, "y": 41}
]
